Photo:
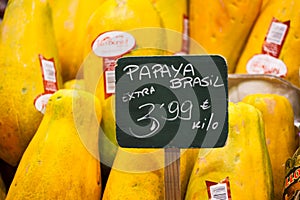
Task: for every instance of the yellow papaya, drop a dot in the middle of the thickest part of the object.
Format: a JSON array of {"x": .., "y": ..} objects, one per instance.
[
  {"x": 187, "y": 161},
  {"x": 132, "y": 16},
  {"x": 126, "y": 15},
  {"x": 264, "y": 3},
  {"x": 69, "y": 21},
  {"x": 222, "y": 27},
  {"x": 61, "y": 161},
  {"x": 172, "y": 16},
  {"x": 244, "y": 159},
  {"x": 74, "y": 84},
  {"x": 139, "y": 174},
  {"x": 175, "y": 21},
  {"x": 2, "y": 189},
  {"x": 140, "y": 20},
  {"x": 280, "y": 133},
  {"x": 26, "y": 32},
  {"x": 287, "y": 54},
  {"x": 136, "y": 174}
]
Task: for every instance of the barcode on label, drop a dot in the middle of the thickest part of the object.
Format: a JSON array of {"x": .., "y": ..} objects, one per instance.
[
  {"x": 48, "y": 70},
  {"x": 110, "y": 82},
  {"x": 276, "y": 33},
  {"x": 219, "y": 192}
]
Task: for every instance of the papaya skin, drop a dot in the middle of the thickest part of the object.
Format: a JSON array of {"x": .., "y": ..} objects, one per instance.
[
  {"x": 265, "y": 3},
  {"x": 223, "y": 26},
  {"x": 69, "y": 21},
  {"x": 74, "y": 84},
  {"x": 171, "y": 16},
  {"x": 26, "y": 31},
  {"x": 130, "y": 178},
  {"x": 283, "y": 11},
  {"x": 278, "y": 118},
  {"x": 172, "y": 20},
  {"x": 139, "y": 174},
  {"x": 244, "y": 159},
  {"x": 124, "y": 15},
  {"x": 60, "y": 161}
]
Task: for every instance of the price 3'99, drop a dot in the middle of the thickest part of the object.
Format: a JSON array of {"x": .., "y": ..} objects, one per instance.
[{"x": 174, "y": 111}]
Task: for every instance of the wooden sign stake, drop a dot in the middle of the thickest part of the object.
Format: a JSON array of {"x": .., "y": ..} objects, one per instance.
[{"x": 172, "y": 174}]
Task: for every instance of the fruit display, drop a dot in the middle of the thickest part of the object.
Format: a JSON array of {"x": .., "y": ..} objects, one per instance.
[{"x": 58, "y": 127}]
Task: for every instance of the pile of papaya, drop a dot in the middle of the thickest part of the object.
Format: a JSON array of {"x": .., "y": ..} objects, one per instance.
[{"x": 57, "y": 101}]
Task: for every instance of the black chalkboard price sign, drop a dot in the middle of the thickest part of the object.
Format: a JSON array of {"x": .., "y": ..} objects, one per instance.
[{"x": 171, "y": 101}]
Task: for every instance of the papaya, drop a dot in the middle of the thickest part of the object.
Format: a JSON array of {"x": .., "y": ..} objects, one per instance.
[
  {"x": 61, "y": 161},
  {"x": 69, "y": 21},
  {"x": 126, "y": 15},
  {"x": 175, "y": 21},
  {"x": 2, "y": 189},
  {"x": 288, "y": 58},
  {"x": 139, "y": 174},
  {"x": 188, "y": 158},
  {"x": 244, "y": 159},
  {"x": 136, "y": 174},
  {"x": 264, "y": 3},
  {"x": 280, "y": 132},
  {"x": 26, "y": 33},
  {"x": 140, "y": 20},
  {"x": 172, "y": 17},
  {"x": 74, "y": 84},
  {"x": 222, "y": 27}
]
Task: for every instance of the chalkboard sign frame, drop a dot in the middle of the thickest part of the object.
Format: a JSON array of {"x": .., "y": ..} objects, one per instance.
[{"x": 184, "y": 97}]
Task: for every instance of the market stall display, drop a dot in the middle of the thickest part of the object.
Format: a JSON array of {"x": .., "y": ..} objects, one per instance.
[{"x": 57, "y": 71}]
